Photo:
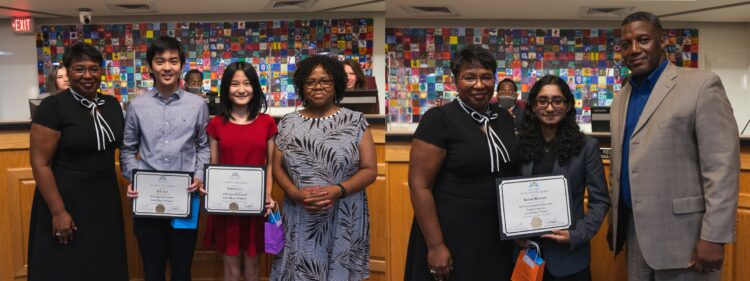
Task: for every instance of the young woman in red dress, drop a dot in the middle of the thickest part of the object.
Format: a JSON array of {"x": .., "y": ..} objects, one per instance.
[{"x": 241, "y": 135}]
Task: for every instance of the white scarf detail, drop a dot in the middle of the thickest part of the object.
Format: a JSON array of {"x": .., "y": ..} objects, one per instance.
[
  {"x": 495, "y": 144},
  {"x": 101, "y": 128}
]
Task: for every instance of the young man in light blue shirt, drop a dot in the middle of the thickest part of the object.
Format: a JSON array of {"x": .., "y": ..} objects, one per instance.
[{"x": 166, "y": 127}]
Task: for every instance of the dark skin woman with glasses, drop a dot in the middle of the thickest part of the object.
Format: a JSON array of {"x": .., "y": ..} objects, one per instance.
[
  {"x": 550, "y": 142},
  {"x": 323, "y": 160},
  {"x": 458, "y": 151},
  {"x": 76, "y": 229}
]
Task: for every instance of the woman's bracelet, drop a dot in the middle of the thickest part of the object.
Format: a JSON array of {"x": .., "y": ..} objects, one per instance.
[{"x": 343, "y": 190}]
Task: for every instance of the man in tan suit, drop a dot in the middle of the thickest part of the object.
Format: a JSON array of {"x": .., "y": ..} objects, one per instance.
[{"x": 675, "y": 162}]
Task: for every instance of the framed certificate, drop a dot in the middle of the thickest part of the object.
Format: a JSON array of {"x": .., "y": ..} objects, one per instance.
[
  {"x": 532, "y": 206},
  {"x": 161, "y": 194},
  {"x": 236, "y": 190}
]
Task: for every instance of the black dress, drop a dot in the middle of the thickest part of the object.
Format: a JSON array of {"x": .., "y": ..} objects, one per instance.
[
  {"x": 465, "y": 198},
  {"x": 87, "y": 182}
]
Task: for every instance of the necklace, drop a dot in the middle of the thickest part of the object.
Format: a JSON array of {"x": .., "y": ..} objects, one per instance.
[{"x": 547, "y": 147}]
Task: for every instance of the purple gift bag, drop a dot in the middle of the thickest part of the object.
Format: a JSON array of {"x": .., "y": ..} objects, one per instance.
[{"x": 274, "y": 233}]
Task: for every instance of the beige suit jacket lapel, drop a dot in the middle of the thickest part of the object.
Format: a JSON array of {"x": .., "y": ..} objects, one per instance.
[
  {"x": 622, "y": 107},
  {"x": 660, "y": 91}
]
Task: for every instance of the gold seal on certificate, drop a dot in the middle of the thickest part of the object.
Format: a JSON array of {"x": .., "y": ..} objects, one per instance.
[
  {"x": 238, "y": 190},
  {"x": 161, "y": 194},
  {"x": 532, "y": 206}
]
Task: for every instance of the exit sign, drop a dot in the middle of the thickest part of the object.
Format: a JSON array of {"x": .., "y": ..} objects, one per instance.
[{"x": 22, "y": 25}]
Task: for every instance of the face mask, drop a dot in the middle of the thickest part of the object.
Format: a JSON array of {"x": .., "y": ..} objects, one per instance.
[
  {"x": 506, "y": 101},
  {"x": 194, "y": 90}
]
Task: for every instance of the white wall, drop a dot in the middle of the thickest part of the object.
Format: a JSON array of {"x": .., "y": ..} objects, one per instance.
[
  {"x": 17, "y": 74},
  {"x": 724, "y": 49}
]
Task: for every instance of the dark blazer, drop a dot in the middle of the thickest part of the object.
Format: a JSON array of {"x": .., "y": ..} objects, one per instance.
[{"x": 584, "y": 171}]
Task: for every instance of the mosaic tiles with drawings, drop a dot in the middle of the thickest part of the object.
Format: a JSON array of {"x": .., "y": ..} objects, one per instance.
[
  {"x": 272, "y": 46},
  {"x": 589, "y": 59}
]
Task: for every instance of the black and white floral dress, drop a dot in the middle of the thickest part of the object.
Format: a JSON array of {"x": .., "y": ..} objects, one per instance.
[{"x": 333, "y": 245}]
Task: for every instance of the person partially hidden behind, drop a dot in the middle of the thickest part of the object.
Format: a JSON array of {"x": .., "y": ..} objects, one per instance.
[
  {"x": 507, "y": 97},
  {"x": 57, "y": 81},
  {"x": 675, "y": 162},
  {"x": 355, "y": 77}
]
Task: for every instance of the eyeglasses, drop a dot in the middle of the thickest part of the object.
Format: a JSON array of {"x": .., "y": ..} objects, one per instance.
[
  {"x": 557, "y": 102},
  {"x": 473, "y": 79},
  {"x": 323, "y": 83},
  {"x": 80, "y": 70}
]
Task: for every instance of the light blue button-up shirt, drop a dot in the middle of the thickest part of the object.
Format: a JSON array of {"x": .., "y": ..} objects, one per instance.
[{"x": 168, "y": 135}]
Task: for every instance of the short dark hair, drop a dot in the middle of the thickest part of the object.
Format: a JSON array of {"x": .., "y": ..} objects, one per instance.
[
  {"x": 474, "y": 55},
  {"x": 361, "y": 83},
  {"x": 193, "y": 72},
  {"x": 643, "y": 16},
  {"x": 330, "y": 65},
  {"x": 507, "y": 80},
  {"x": 257, "y": 103},
  {"x": 164, "y": 43},
  {"x": 568, "y": 138},
  {"x": 81, "y": 51}
]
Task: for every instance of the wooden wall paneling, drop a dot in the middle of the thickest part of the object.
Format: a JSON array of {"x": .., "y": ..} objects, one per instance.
[
  {"x": 399, "y": 208},
  {"x": 20, "y": 183},
  {"x": 737, "y": 265},
  {"x": 376, "y": 199},
  {"x": 14, "y": 155},
  {"x": 604, "y": 265},
  {"x": 737, "y": 254}
]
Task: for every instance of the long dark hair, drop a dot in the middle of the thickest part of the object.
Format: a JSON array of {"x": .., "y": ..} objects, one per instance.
[
  {"x": 568, "y": 138},
  {"x": 257, "y": 103},
  {"x": 334, "y": 68}
]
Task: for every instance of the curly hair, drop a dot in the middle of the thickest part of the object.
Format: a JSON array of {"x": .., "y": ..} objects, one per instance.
[
  {"x": 568, "y": 138},
  {"x": 332, "y": 66},
  {"x": 257, "y": 103}
]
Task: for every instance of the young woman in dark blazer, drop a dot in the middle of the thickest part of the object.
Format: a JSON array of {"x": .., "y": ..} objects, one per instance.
[{"x": 550, "y": 142}]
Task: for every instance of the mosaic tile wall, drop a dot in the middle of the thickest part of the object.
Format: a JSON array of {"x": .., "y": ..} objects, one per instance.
[
  {"x": 272, "y": 46},
  {"x": 419, "y": 73}
]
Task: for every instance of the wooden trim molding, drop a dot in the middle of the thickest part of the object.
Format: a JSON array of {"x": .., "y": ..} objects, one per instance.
[{"x": 19, "y": 199}]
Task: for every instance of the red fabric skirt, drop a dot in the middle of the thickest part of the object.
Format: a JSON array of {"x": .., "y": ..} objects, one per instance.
[{"x": 234, "y": 234}]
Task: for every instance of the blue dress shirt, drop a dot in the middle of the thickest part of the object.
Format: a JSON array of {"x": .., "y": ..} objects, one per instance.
[
  {"x": 168, "y": 135},
  {"x": 638, "y": 97}
]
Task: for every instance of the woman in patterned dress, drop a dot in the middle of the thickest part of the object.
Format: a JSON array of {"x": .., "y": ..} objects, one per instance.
[{"x": 324, "y": 159}]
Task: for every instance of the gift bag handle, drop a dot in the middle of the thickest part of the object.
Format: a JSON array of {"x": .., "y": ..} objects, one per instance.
[{"x": 532, "y": 244}]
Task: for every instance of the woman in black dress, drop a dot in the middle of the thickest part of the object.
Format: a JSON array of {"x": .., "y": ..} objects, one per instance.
[
  {"x": 76, "y": 229},
  {"x": 457, "y": 153}
]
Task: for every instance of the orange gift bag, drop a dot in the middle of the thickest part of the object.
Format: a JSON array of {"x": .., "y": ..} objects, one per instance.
[{"x": 529, "y": 265}]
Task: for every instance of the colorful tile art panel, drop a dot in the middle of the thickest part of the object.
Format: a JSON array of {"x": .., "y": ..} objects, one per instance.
[
  {"x": 273, "y": 47},
  {"x": 419, "y": 75}
]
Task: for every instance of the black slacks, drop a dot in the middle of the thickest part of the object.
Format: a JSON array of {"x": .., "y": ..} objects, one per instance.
[{"x": 159, "y": 242}]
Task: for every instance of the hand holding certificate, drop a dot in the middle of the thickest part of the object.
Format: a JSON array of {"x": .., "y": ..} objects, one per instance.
[
  {"x": 161, "y": 194},
  {"x": 238, "y": 190},
  {"x": 532, "y": 206}
]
